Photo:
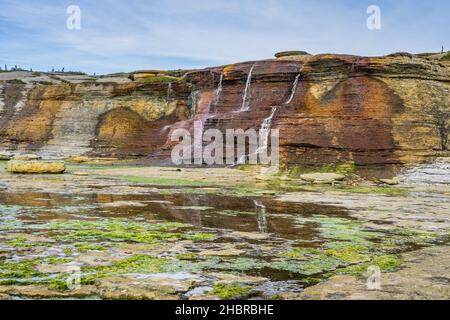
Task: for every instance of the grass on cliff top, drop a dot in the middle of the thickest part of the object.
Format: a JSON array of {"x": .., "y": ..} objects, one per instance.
[{"x": 159, "y": 78}]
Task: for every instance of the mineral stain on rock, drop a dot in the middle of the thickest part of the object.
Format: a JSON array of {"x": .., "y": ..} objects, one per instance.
[{"x": 381, "y": 110}]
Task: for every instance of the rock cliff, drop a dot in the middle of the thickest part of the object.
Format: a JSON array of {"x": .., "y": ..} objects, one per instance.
[{"x": 329, "y": 108}]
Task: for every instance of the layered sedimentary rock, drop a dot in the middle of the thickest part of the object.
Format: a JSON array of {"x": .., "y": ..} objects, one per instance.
[{"x": 328, "y": 108}]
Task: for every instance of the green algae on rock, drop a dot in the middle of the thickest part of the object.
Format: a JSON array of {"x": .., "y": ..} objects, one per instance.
[{"x": 231, "y": 291}]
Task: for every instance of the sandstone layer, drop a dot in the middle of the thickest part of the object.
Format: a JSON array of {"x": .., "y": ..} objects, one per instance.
[{"x": 329, "y": 108}]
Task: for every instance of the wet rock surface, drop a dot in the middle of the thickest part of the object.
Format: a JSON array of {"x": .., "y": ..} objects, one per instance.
[
  {"x": 134, "y": 233},
  {"x": 424, "y": 275}
]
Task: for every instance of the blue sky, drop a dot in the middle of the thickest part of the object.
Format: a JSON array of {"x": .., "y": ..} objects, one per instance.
[{"x": 119, "y": 35}]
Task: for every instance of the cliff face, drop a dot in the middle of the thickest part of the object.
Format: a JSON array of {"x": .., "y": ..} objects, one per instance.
[{"x": 329, "y": 108}]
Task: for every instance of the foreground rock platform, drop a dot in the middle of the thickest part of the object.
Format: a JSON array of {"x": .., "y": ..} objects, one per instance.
[{"x": 424, "y": 275}]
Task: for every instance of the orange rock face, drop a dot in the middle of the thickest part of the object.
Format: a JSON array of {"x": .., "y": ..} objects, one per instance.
[{"x": 330, "y": 108}]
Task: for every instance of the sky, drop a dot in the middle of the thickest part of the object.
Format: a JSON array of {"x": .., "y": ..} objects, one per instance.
[{"x": 122, "y": 36}]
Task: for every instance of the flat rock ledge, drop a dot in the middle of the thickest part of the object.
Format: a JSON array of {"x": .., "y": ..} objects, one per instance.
[
  {"x": 423, "y": 275},
  {"x": 20, "y": 166}
]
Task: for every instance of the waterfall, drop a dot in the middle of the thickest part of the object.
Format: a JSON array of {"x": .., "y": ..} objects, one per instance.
[
  {"x": 219, "y": 89},
  {"x": 264, "y": 132},
  {"x": 261, "y": 216},
  {"x": 293, "y": 90},
  {"x": 169, "y": 91},
  {"x": 2, "y": 103},
  {"x": 245, "y": 100},
  {"x": 165, "y": 129}
]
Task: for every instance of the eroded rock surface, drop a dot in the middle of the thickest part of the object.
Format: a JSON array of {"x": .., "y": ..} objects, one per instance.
[
  {"x": 331, "y": 108},
  {"x": 424, "y": 275}
]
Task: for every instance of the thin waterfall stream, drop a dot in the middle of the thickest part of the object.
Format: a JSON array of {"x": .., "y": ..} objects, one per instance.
[
  {"x": 266, "y": 125},
  {"x": 247, "y": 94}
]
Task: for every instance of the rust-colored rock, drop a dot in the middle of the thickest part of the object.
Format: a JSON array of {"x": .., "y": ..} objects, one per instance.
[{"x": 384, "y": 110}]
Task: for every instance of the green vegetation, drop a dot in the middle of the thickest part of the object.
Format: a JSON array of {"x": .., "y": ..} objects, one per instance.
[
  {"x": 159, "y": 78},
  {"x": 85, "y": 246},
  {"x": 157, "y": 181},
  {"x": 346, "y": 168},
  {"x": 200, "y": 236},
  {"x": 386, "y": 263},
  {"x": 116, "y": 230},
  {"x": 15, "y": 81},
  {"x": 250, "y": 167},
  {"x": 446, "y": 57},
  {"x": 231, "y": 291},
  {"x": 134, "y": 264},
  {"x": 349, "y": 254},
  {"x": 186, "y": 256},
  {"x": 392, "y": 191},
  {"x": 23, "y": 269},
  {"x": 3, "y": 164}
]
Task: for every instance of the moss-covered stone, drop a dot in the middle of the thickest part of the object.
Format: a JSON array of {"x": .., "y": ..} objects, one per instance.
[{"x": 231, "y": 291}]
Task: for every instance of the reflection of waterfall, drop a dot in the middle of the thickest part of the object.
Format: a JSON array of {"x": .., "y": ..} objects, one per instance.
[
  {"x": 247, "y": 94},
  {"x": 293, "y": 90},
  {"x": 261, "y": 215},
  {"x": 264, "y": 132}
]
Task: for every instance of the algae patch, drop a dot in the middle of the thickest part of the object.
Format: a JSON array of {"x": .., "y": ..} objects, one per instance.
[{"x": 231, "y": 291}]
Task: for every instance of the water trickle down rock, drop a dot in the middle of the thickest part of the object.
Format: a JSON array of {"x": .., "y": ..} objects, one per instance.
[
  {"x": 2, "y": 100},
  {"x": 265, "y": 131},
  {"x": 218, "y": 90},
  {"x": 382, "y": 115},
  {"x": 267, "y": 123},
  {"x": 169, "y": 92},
  {"x": 293, "y": 90},
  {"x": 247, "y": 93}
]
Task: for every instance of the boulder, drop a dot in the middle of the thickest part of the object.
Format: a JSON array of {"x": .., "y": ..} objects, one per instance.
[
  {"x": 26, "y": 157},
  {"x": 19, "y": 166},
  {"x": 291, "y": 53},
  {"x": 324, "y": 178}
]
